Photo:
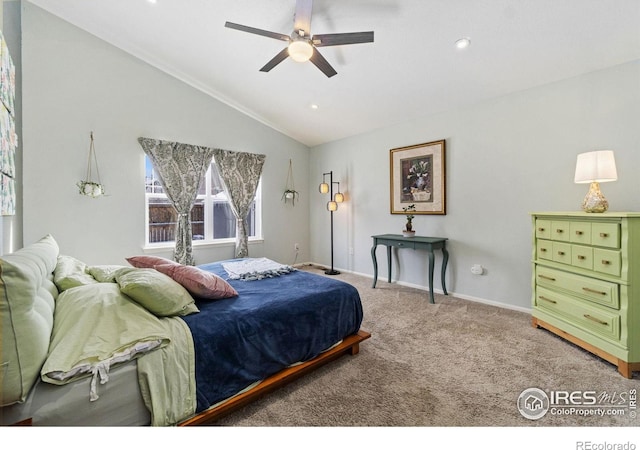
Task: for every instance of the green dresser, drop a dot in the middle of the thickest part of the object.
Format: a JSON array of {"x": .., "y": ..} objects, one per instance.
[{"x": 586, "y": 282}]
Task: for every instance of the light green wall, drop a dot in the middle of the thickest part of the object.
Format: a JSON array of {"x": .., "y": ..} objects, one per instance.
[
  {"x": 75, "y": 83},
  {"x": 504, "y": 158}
]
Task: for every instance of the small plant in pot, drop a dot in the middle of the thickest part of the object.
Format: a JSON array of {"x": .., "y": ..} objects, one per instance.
[
  {"x": 409, "y": 231},
  {"x": 290, "y": 194}
]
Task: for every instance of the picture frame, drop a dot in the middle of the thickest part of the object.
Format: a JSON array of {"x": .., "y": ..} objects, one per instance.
[{"x": 417, "y": 177}]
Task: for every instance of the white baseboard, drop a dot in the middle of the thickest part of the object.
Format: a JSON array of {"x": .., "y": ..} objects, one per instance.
[{"x": 424, "y": 288}]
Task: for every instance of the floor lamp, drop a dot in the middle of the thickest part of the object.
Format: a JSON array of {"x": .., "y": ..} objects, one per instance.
[{"x": 332, "y": 205}]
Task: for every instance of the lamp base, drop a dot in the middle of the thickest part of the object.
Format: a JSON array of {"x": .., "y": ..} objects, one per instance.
[
  {"x": 331, "y": 272},
  {"x": 594, "y": 201}
]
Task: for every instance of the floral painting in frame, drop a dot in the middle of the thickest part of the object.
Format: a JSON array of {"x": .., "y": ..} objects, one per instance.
[
  {"x": 8, "y": 137},
  {"x": 418, "y": 177}
]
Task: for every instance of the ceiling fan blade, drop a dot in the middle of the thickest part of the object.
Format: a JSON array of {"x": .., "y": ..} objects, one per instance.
[
  {"x": 325, "y": 40},
  {"x": 302, "y": 17},
  {"x": 276, "y": 60},
  {"x": 269, "y": 34},
  {"x": 318, "y": 60}
]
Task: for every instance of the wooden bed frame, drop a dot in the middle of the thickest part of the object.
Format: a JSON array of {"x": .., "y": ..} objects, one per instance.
[{"x": 349, "y": 345}]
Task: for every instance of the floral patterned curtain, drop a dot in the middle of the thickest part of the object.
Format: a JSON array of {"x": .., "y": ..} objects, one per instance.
[
  {"x": 180, "y": 168},
  {"x": 240, "y": 173}
]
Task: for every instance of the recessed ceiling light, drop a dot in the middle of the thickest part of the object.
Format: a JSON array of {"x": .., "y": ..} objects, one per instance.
[
  {"x": 313, "y": 106},
  {"x": 153, "y": 1},
  {"x": 463, "y": 43}
]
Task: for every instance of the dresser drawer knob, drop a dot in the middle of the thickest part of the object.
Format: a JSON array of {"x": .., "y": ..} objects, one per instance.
[
  {"x": 541, "y": 229},
  {"x": 605, "y": 262},
  {"x": 594, "y": 319},
  {"x": 604, "y": 235},
  {"x": 593, "y": 291},
  {"x": 547, "y": 299},
  {"x": 542, "y": 250},
  {"x": 544, "y": 277},
  {"x": 559, "y": 230},
  {"x": 582, "y": 257},
  {"x": 561, "y": 253},
  {"x": 579, "y": 233}
]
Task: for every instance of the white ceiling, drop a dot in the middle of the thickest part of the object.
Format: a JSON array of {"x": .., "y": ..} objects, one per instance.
[{"x": 412, "y": 69}]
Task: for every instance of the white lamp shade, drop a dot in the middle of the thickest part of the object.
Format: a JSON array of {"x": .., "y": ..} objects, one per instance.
[
  {"x": 597, "y": 166},
  {"x": 339, "y": 197},
  {"x": 324, "y": 188},
  {"x": 332, "y": 206},
  {"x": 300, "y": 51}
]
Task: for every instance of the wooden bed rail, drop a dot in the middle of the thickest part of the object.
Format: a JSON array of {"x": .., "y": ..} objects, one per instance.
[{"x": 349, "y": 345}]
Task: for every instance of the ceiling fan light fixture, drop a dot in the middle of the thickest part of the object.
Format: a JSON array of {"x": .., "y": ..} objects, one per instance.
[{"x": 300, "y": 50}]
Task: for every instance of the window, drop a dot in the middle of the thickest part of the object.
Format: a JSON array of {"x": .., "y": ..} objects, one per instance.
[{"x": 211, "y": 216}]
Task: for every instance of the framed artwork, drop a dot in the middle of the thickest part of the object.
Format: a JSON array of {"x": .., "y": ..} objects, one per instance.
[
  {"x": 7, "y": 77},
  {"x": 418, "y": 178},
  {"x": 8, "y": 136}
]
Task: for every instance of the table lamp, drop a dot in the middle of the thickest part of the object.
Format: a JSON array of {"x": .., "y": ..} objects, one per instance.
[{"x": 595, "y": 168}]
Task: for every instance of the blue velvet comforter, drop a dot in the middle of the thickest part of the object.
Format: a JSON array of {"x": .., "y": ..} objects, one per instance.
[{"x": 271, "y": 324}]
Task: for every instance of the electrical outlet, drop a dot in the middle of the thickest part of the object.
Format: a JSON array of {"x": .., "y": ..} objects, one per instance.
[
  {"x": 477, "y": 269},
  {"x": 296, "y": 246}
]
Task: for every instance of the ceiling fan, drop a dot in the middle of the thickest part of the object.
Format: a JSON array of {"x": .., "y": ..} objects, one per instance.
[{"x": 302, "y": 45}]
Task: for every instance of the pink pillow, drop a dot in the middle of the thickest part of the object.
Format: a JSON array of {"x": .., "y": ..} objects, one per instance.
[
  {"x": 198, "y": 282},
  {"x": 149, "y": 262}
]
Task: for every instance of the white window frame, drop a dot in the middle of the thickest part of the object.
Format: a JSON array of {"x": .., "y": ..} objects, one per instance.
[{"x": 208, "y": 200}]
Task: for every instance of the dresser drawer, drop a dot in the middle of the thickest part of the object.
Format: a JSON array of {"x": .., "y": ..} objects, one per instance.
[
  {"x": 580, "y": 232},
  {"x": 544, "y": 249},
  {"x": 561, "y": 230},
  {"x": 561, "y": 252},
  {"x": 543, "y": 229},
  {"x": 582, "y": 256},
  {"x": 601, "y": 322},
  {"x": 605, "y": 234},
  {"x": 597, "y": 291},
  {"x": 607, "y": 261}
]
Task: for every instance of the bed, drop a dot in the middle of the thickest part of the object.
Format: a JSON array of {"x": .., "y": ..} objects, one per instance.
[{"x": 186, "y": 362}]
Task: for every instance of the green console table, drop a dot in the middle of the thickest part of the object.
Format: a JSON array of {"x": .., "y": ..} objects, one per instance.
[{"x": 417, "y": 243}]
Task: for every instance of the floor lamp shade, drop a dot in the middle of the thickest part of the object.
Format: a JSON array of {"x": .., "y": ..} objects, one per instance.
[{"x": 595, "y": 168}]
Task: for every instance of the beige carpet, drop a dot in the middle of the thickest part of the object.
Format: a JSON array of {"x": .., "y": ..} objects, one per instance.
[{"x": 455, "y": 363}]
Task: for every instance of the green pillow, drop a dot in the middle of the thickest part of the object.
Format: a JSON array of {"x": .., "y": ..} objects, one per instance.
[
  {"x": 70, "y": 273},
  {"x": 27, "y": 301},
  {"x": 105, "y": 273},
  {"x": 157, "y": 292}
]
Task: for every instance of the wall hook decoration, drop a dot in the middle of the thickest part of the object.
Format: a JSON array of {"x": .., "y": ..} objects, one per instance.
[
  {"x": 290, "y": 192},
  {"x": 89, "y": 186}
]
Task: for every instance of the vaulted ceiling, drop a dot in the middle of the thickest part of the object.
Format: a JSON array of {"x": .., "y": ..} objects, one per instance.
[{"x": 412, "y": 68}]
